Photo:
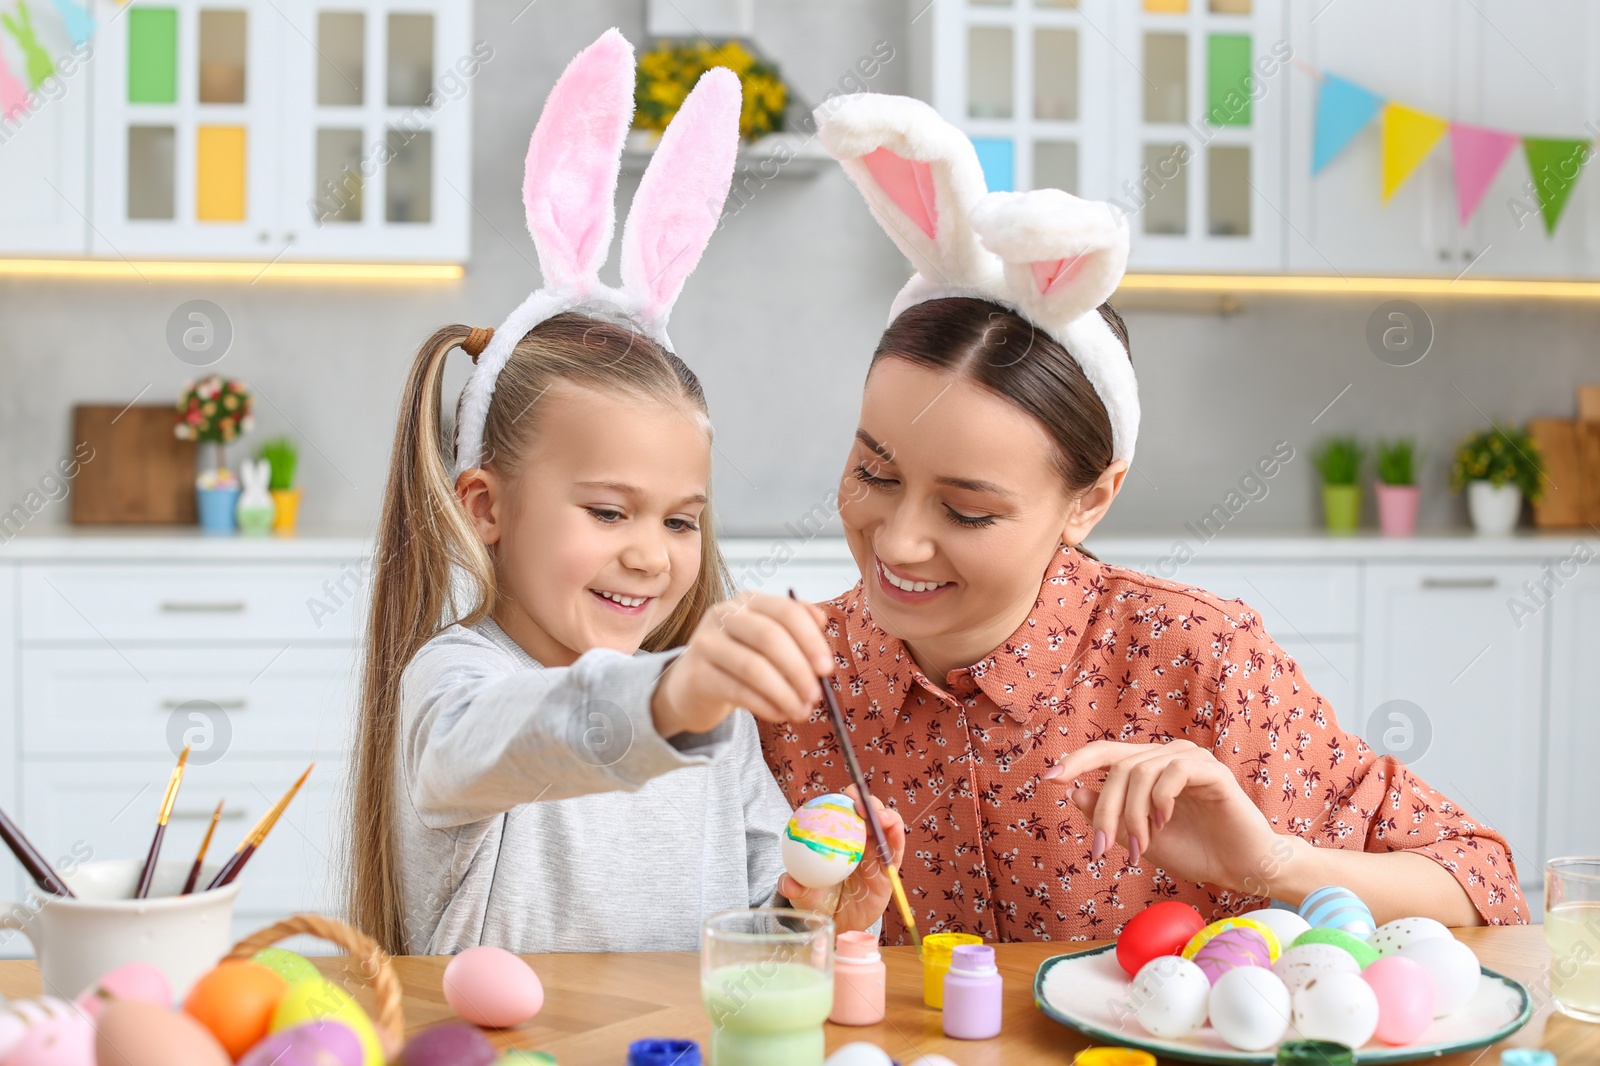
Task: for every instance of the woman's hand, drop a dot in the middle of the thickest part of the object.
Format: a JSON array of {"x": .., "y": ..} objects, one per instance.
[
  {"x": 763, "y": 653},
  {"x": 867, "y": 891},
  {"x": 1176, "y": 806}
]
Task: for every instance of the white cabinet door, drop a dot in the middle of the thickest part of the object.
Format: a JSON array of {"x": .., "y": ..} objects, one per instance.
[
  {"x": 43, "y": 167},
  {"x": 1404, "y": 52},
  {"x": 11, "y": 881},
  {"x": 377, "y": 100},
  {"x": 186, "y": 129},
  {"x": 1443, "y": 639},
  {"x": 1531, "y": 68},
  {"x": 1199, "y": 93},
  {"x": 1573, "y": 789}
]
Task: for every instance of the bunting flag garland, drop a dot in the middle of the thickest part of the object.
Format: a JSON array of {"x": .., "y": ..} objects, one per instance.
[
  {"x": 1408, "y": 136},
  {"x": 13, "y": 94},
  {"x": 1343, "y": 110},
  {"x": 78, "y": 21},
  {"x": 1478, "y": 153}
]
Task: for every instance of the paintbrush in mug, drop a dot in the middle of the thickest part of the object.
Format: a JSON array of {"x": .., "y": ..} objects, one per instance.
[
  {"x": 33, "y": 862},
  {"x": 205, "y": 845},
  {"x": 251, "y": 842},
  {"x": 148, "y": 874},
  {"x": 885, "y": 856}
]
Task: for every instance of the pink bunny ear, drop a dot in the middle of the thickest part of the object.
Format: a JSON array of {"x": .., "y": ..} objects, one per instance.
[
  {"x": 570, "y": 182},
  {"x": 680, "y": 198},
  {"x": 919, "y": 175},
  {"x": 1063, "y": 256}
]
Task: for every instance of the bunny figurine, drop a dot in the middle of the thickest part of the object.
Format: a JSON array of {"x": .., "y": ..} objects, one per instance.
[{"x": 255, "y": 502}]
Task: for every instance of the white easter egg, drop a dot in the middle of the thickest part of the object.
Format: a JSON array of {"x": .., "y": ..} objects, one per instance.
[
  {"x": 823, "y": 841},
  {"x": 1250, "y": 1008},
  {"x": 1170, "y": 996},
  {"x": 1392, "y": 936},
  {"x": 1286, "y": 924},
  {"x": 1300, "y": 965},
  {"x": 931, "y": 1060},
  {"x": 859, "y": 1053},
  {"x": 1336, "y": 1006},
  {"x": 1453, "y": 967}
]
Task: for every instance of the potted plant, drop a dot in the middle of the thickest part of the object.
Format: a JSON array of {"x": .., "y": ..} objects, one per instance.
[
  {"x": 215, "y": 411},
  {"x": 1397, "y": 488},
  {"x": 284, "y": 459},
  {"x": 1338, "y": 461},
  {"x": 1498, "y": 466}
]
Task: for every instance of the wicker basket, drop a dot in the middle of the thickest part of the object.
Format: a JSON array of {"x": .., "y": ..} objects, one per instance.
[{"x": 375, "y": 966}]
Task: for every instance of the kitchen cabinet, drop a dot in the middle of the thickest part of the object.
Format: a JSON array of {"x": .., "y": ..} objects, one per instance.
[
  {"x": 1197, "y": 144},
  {"x": 264, "y": 130},
  {"x": 1571, "y": 795},
  {"x": 1441, "y": 637},
  {"x": 43, "y": 167}
]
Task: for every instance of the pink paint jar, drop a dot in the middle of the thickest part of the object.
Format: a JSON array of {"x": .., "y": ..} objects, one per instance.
[
  {"x": 858, "y": 980},
  {"x": 972, "y": 994}
]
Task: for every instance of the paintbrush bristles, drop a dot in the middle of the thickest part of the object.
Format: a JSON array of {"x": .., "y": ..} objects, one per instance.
[
  {"x": 247, "y": 847},
  {"x": 172, "y": 786},
  {"x": 148, "y": 873}
]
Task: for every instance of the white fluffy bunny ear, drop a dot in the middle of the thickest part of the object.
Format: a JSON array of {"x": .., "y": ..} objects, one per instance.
[
  {"x": 919, "y": 174},
  {"x": 570, "y": 181},
  {"x": 680, "y": 199},
  {"x": 1063, "y": 256}
]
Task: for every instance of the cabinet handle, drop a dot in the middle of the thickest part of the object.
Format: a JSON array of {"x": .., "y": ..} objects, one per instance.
[
  {"x": 221, "y": 705},
  {"x": 197, "y": 607},
  {"x": 1459, "y": 582},
  {"x": 229, "y": 814}
]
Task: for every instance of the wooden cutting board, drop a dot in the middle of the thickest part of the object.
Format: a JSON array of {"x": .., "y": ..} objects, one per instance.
[
  {"x": 140, "y": 474},
  {"x": 1566, "y": 487}
]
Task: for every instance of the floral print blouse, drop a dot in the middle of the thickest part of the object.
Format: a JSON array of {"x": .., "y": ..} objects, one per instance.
[{"x": 1107, "y": 654}]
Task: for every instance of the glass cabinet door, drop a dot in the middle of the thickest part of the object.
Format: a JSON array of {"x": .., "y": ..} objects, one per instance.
[
  {"x": 379, "y": 120},
  {"x": 185, "y": 127}
]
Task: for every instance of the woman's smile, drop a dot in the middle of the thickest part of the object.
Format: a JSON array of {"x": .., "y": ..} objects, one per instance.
[{"x": 905, "y": 588}]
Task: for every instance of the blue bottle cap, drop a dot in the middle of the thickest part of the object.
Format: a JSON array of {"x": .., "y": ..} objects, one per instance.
[
  {"x": 658, "y": 1052},
  {"x": 1527, "y": 1056}
]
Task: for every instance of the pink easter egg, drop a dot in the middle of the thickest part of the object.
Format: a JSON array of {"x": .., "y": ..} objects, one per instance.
[
  {"x": 1405, "y": 998},
  {"x": 64, "y": 1039},
  {"x": 491, "y": 987},
  {"x": 1232, "y": 949},
  {"x": 134, "y": 980}
]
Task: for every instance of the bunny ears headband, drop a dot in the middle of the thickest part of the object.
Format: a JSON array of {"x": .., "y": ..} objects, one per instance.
[
  {"x": 1047, "y": 255},
  {"x": 569, "y": 186}
]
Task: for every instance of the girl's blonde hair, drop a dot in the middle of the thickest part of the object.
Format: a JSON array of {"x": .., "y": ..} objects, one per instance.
[{"x": 430, "y": 570}]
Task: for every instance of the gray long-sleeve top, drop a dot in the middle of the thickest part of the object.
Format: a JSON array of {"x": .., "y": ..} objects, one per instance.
[{"x": 540, "y": 811}]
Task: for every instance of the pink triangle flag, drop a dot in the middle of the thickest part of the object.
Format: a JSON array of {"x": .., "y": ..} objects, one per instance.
[{"x": 1478, "y": 153}]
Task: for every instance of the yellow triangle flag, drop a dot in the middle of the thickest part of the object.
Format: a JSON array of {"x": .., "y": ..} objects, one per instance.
[{"x": 1408, "y": 136}]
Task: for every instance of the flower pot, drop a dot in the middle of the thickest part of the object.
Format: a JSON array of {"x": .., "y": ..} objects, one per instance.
[
  {"x": 1397, "y": 509},
  {"x": 1494, "y": 508},
  {"x": 1341, "y": 507},
  {"x": 217, "y": 508},
  {"x": 287, "y": 502}
]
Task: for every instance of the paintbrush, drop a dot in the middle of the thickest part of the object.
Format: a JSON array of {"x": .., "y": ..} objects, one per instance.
[
  {"x": 205, "y": 844},
  {"x": 148, "y": 874},
  {"x": 33, "y": 862},
  {"x": 252, "y": 841},
  {"x": 885, "y": 856}
]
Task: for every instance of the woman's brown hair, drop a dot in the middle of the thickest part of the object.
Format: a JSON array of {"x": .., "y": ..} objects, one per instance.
[
  {"x": 1006, "y": 354},
  {"x": 430, "y": 570}
]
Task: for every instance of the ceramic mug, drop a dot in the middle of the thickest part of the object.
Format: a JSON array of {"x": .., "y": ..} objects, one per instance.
[{"x": 77, "y": 940}]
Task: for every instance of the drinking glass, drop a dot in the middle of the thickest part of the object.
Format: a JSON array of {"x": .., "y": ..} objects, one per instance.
[
  {"x": 766, "y": 980},
  {"x": 1572, "y": 929}
]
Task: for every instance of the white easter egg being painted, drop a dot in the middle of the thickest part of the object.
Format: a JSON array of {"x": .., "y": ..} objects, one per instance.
[{"x": 823, "y": 841}]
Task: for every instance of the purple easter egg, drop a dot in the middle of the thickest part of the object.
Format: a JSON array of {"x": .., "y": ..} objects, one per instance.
[
  {"x": 1232, "y": 949},
  {"x": 325, "y": 1043},
  {"x": 450, "y": 1044}
]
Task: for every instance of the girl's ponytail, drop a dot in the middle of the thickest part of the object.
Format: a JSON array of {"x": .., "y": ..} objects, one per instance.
[{"x": 426, "y": 554}]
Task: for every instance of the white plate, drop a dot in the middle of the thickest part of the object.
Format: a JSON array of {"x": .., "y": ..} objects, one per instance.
[{"x": 1088, "y": 991}]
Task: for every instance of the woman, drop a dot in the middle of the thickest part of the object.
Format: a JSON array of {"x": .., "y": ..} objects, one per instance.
[{"x": 1069, "y": 741}]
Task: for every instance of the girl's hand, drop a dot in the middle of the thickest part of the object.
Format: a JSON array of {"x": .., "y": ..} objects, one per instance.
[
  {"x": 763, "y": 653},
  {"x": 867, "y": 891},
  {"x": 1176, "y": 806}
]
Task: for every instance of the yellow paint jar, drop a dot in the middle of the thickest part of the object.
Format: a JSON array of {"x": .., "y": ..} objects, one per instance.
[{"x": 936, "y": 949}]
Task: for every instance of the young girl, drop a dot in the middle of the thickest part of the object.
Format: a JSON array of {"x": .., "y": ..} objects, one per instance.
[
  {"x": 1069, "y": 741},
  {"x": 522, "y": 777}
]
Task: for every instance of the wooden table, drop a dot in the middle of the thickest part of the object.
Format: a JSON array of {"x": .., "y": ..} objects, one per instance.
[{"x": 596, "y": 1005}]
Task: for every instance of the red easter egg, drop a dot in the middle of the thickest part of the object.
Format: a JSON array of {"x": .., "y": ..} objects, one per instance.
[{"x": 1160, "y": 929}]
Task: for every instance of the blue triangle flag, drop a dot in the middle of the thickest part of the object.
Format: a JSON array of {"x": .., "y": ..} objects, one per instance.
[{"x": 1343, "y": 109}]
